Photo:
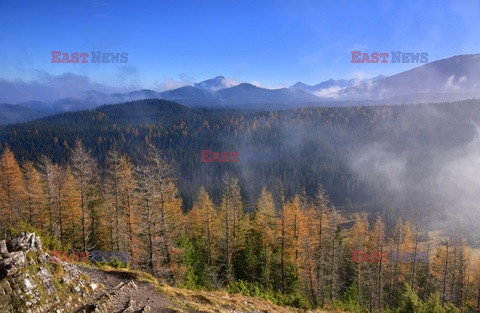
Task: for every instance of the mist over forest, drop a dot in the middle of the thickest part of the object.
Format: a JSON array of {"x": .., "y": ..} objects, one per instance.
[{"x": 410, "y": 161}]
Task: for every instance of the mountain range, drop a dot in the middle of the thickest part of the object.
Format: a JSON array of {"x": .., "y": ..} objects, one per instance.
[{"x": 450, "y": 79}]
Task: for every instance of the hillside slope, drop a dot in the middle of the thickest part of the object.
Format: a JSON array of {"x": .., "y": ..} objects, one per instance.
[{"x": 31, "y": 282}]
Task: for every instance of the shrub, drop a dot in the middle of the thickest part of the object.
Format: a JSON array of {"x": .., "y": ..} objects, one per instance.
[
  {"x": 48, "y": 241},
  {"x": 254, "y": 289}
]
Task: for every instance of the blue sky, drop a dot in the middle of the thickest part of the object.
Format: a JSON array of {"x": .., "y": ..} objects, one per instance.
[{"x": 274, "y": 43}]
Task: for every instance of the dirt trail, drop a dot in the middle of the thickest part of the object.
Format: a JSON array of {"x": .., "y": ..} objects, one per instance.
[{"x": 123, "y": 293}]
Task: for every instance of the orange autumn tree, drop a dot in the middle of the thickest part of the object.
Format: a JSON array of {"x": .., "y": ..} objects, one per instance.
[
  {"x": 112, "y": 209},
  {"x": 264, "y": 223},
  {"x": 60, "y": 210},
  {"x": 233, "y": 227},
  {"x": 290, "y": 226},
  {"x": 129, "y": 203},
  {"x": 357, "y": 240},
  {"x": 395, "y": 271},
  {"x": 48, "y": 172},
  {"x": 335, "y": 252},
  {"x": 475, "y": 284},
  {"x": 407, "y": 246},
  {"x": 309, "y": 253},
  {"x": 204, "y": 224},
  {"x": 12, "y": 191},
  {"x": 282, "y": 237},
  {"x": 321, "y": 227},
  {"x": 163, "y": 207},
  {"x": 34, "y": 196},
  {"x": 84, "y": 169},
  {"x": 316, "y": 247},
  {"x": 70, "y": 202},
  {"x": 377, "y": 259},
  {"x": 120, "y": 209}
]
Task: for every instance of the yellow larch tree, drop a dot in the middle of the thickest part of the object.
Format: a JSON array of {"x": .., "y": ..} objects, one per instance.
[
  {"x": 12, "y": 192},
  {"x": 204, "y": 223},
  {"x": 264, "y": 223},
  {"x": 70, "y": 202},
  {"x": 357, "y": 243},
  {"x": 129, "y": 204},
  {"x": 233, "y": 222},
  {"x": 34, "y": 196}
]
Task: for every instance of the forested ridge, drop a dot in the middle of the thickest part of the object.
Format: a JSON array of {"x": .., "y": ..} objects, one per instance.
[{"x": 353, "y": 152}]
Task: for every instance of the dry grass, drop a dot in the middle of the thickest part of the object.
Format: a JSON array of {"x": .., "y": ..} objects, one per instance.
[
  {"x": 219, "y": 301},
  {"x": 186, "y": 300}
]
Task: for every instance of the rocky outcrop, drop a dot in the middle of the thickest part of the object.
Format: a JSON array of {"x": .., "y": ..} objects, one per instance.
[
  {"x": 31, "y": 282},
  {"x": 120, "y": 298},
  {"x": 13, "y": 253}
]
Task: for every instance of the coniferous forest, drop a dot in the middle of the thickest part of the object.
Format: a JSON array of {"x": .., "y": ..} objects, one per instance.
[
  {"x": 320, "y": 227},
  {"x": 240, "y": 156}
]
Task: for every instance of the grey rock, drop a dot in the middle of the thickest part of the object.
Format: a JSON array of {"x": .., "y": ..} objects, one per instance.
[
  {"x": 37, "y": 286},
  {"x": 3, "y": 247},
  {"x": 129, "y": 308},
  {"x": 24, "y": 242},
  {"x": 12, "y": 263}
]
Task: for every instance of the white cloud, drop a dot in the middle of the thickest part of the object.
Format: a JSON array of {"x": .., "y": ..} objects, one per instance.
[
  {"x": 331, "y": 92},
  {"x": 262, "y": 85},
  {"x": 450, "y": 84},
  {"x": 231, "y": 82},
  {"x": 48, "y": 87},
  {"x": 169, "y": 85}
]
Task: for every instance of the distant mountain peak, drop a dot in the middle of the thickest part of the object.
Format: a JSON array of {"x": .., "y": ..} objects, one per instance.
[
  {"x": 326, "y": 89},
  {"x": 216, "y": 83},
  {"x": 300, "y": 85}
]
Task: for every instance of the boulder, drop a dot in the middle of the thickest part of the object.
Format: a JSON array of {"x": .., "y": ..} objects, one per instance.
[
  {"x": 24, "y": 242},
  {"x": 30, "y": 282}
]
